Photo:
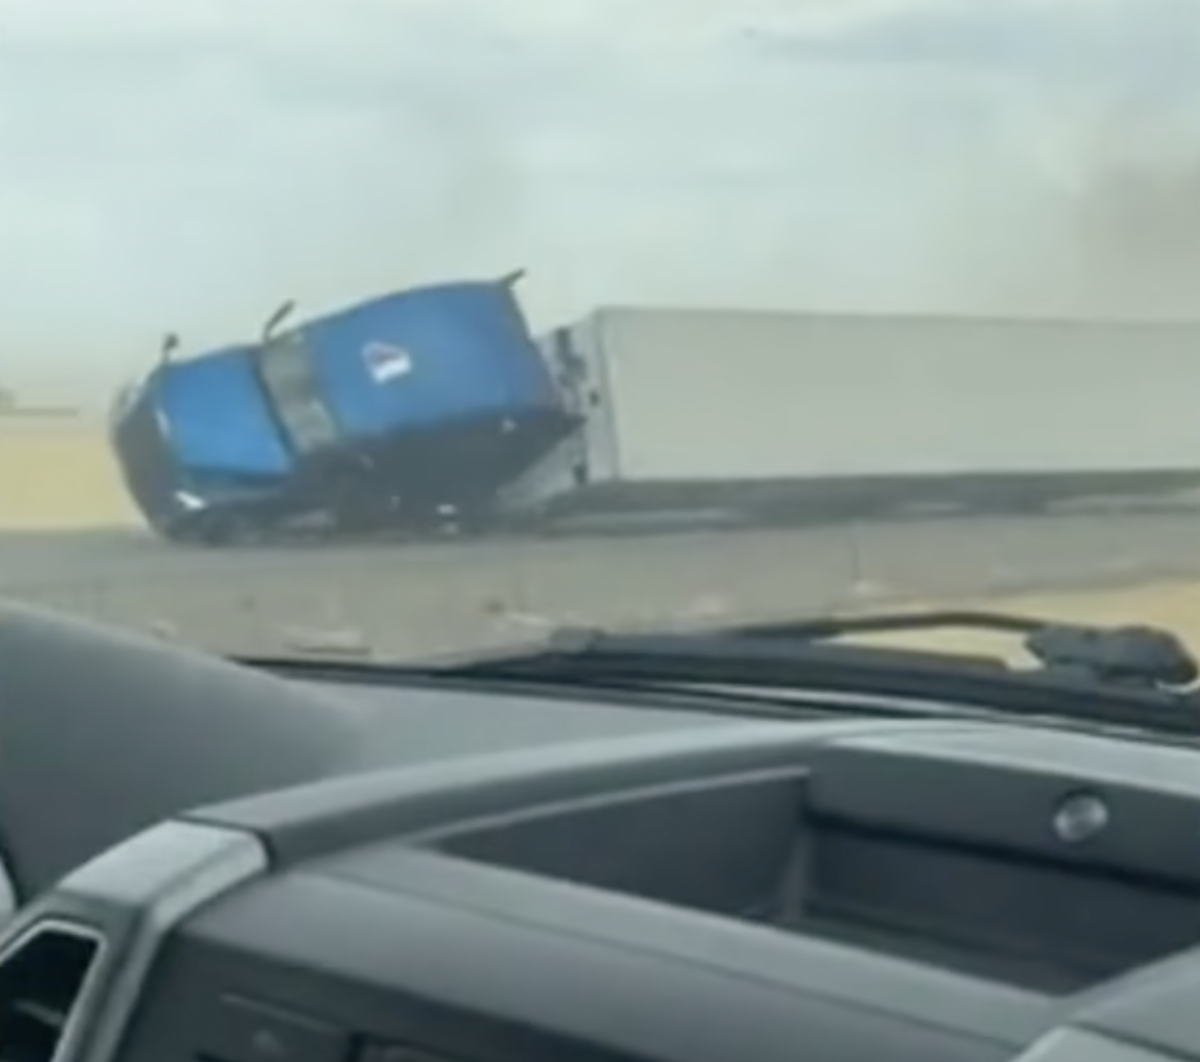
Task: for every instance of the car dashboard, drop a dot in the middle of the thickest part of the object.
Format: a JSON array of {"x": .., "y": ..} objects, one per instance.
[{"x": 667, "y": 885}]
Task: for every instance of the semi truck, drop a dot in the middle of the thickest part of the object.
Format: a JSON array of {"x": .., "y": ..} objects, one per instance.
[
  {"x": 438, "y": 409},
  {"x": 405, "y": 410}
]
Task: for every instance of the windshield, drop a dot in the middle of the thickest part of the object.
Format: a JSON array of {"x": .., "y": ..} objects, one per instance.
[{"x": 597, "y": 313}]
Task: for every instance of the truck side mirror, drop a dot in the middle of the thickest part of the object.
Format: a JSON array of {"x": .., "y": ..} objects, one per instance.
[{"x": 277, "y": 318}]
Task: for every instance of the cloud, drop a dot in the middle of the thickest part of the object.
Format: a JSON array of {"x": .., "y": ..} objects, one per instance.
[{"x": 190, "y": 165}]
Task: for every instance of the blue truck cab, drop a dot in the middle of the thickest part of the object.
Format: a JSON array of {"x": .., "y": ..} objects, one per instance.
[{"x": 388, "y": 412}]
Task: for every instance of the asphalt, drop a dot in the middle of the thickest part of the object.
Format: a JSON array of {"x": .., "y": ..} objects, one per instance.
[{"x": 406, "y": 600}]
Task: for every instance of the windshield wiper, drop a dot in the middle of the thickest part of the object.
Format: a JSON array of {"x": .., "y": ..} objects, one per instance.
[
  {"x": 1137, "y": 655},
  {"x": 1117, "y": 676}
]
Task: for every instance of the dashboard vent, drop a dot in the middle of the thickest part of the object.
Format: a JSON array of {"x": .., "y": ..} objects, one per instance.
[{"x": 42, "y": 981}]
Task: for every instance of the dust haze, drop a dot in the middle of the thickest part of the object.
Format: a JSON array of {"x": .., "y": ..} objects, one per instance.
[
  {"x": 1101, "y": 218},
  {"x": 1069, "y": 196}
]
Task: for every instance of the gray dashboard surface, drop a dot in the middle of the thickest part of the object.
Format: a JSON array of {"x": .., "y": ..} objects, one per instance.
[{"x": 103, "y": 734}]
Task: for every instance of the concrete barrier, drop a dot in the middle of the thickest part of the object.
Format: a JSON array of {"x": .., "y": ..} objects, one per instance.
[
  {"x": 56, "y": 473},
  {"x": 419, "y": 600}
]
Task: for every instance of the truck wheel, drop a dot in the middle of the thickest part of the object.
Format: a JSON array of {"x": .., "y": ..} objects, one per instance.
[
  {"x": 472, "y": 522},
  {"x": 172, "y": 531},
  {"x": 226, "y": 531},
  {"x": 360, "y": 519}
]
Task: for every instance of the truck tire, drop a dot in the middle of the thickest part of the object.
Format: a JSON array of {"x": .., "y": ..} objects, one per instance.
[{"x": 219, "y": 531}]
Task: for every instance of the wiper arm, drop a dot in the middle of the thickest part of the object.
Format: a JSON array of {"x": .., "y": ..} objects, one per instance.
[
  {"x": 1137, "y": 655},
  {"x": 1080, "y": 681}
]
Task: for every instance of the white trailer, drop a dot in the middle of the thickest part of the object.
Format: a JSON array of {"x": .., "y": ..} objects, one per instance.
[{"x": 757, "y": 415}]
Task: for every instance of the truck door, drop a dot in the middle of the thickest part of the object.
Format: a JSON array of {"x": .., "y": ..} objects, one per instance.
[{"x": 289, "y": 376}]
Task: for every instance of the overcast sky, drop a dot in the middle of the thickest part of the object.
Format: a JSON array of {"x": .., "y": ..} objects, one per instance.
[{"x": 189, "y": 164}]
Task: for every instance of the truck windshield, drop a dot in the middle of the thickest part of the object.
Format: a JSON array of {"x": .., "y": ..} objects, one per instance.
[{"x": 293, "y": 388}]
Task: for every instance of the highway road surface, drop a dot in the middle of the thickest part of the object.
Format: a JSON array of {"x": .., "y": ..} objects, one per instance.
[{"x": 405, "y": 600}]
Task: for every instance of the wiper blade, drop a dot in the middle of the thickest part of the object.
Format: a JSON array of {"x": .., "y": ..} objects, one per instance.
[
  {"x": 1139, "y": 655},
  {"x": 776, "y": 659}
]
